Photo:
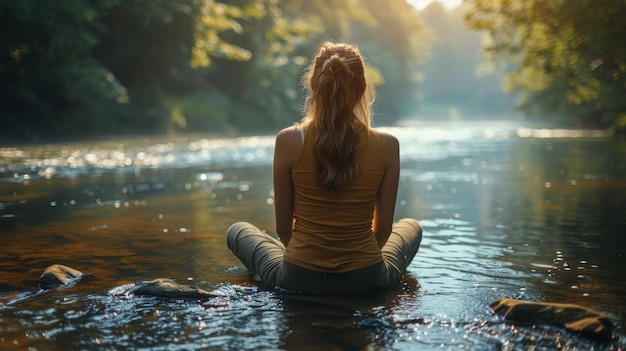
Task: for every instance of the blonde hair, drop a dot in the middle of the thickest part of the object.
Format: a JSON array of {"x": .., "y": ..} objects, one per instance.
[{"x": 337, "y": 108}]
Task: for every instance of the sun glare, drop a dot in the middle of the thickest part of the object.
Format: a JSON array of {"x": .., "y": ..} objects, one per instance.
[{"x": 449, "y": 4}]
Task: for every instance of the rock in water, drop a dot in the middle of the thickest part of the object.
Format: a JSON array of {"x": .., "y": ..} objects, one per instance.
[
  {"x": 573, "y": 318},
  {"x": 57, "y": 275},
  {"x": 164, "y": 287}
]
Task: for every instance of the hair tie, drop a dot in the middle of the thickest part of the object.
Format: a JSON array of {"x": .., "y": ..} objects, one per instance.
[{"x": 334, "y": 64}]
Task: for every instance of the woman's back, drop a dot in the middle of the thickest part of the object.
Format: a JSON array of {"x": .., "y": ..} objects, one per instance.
[{"x": 333, "y": 228}]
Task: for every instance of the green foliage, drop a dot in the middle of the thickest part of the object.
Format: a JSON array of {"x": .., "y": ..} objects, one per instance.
[
  {"x": 200, "y": 111},
  {"x": 571, "y": 51},
  {"x": 214, "y": 18},
  {"x": 79, "y": 68},
  {"x": 46, "y": 70}
]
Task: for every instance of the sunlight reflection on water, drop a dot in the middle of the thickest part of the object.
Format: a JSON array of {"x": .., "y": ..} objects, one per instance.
[
  {"x": 67, "y": 160},
  {"x": 534, "y": 214}
]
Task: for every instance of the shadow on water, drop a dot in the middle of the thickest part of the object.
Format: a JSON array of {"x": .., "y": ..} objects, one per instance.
[
  {"x": 508, "y": 212},
  {"x": 347, "y": 322}
]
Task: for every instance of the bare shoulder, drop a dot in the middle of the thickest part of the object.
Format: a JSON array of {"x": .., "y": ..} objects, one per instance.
[
  {"x": 288, "y": 144},
  {"x": 388, "y": 141},
  {"x": 289, "y": 136},
  {"x": 289, "y": 133},
  {"x": 289, "y": 130}
]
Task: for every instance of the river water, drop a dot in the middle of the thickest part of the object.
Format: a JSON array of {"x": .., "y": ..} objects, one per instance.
[{"x": 528, "y": 213}]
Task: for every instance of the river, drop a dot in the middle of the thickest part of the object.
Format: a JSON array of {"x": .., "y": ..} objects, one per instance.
[{"x": 508, "y": 211}]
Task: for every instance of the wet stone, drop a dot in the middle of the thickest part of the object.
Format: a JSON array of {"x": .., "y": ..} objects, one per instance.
[
  {"x": 571, "y": 317},
  {"x": 57, "y": 275},
  {"x": 168, "y": 288}
]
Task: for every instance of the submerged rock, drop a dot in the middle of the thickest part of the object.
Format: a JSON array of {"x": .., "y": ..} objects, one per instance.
[
  {"x": 60, "y": 275},
  {"x": 573, "y": 318},
  {"x": 57, "y": 275},
  {"x": 163, "y": 287}
]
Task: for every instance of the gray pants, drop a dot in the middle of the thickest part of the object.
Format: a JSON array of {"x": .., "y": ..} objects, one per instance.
[{"x": 263, "y": 255}]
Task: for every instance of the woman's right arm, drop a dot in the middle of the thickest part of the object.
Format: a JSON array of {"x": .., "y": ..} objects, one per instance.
[
  {"x": 286, "y": 151},
  {"x": 386, "y": 201}
]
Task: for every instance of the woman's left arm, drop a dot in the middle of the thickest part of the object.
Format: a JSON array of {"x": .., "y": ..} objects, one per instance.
[{"x": 287, "y": 143}]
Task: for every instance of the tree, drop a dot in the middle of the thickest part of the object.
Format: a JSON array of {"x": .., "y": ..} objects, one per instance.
[
  {"x": 47, "y": 73},
  {"x": 147, "y": 45},
  {"x": 79, "y": 68},
  {"x": 566, "y": 55},
  {"x": 282, "y": 35}
]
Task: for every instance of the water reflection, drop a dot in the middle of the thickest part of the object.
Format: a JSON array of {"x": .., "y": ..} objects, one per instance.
[
  {"x": 508, "y": 212},
  {"x": 352, "y": 322},
  {"x": 131, "y": 156}
]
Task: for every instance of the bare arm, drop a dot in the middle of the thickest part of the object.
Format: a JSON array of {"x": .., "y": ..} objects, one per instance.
[
  {"x": 286, "y": 151},
  {"x": 386, "y": 201}
]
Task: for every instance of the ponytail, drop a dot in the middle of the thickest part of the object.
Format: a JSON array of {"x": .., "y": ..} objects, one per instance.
[{"x": 337, "y": 109}]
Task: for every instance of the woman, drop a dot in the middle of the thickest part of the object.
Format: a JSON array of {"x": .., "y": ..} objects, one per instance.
[{"x": 335, "y": 186}]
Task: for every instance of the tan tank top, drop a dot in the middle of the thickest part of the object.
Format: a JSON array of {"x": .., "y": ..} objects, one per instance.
[{"x": 333, "y": 229}]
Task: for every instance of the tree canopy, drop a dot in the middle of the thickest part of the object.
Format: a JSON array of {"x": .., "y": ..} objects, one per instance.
[
  {"x": 46, "y": 67},
  {"x": 566, "y": 57},
  {"x": 79, "y": 68}
]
